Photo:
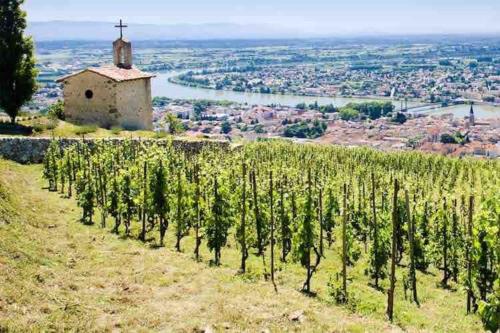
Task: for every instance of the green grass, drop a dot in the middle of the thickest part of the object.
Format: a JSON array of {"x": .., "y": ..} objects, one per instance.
[
  {"x": 57, "y": 274},
  {"x": 86, "y": 129},
  {"x": 115, "y": 130},
  {"x": 46, "y": 127}
]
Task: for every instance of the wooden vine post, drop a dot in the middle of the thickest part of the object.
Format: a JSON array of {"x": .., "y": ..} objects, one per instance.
[
  {"x": 244, "y": 250},
  {"x": 470, "y": 296},
  {"x": 271, "y": 204},
  {"x": 395, "y": 217},
  {"x": 411, "y": 233},
  {"x": 197, "y": 212},
  {"x": 344, "y": 244},
  {"x": 375, "y": 230},
  {"x": 145, "y": 193}
]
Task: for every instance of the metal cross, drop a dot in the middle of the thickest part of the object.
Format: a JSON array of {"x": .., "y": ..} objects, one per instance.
[{"x": 121, "y": 26}]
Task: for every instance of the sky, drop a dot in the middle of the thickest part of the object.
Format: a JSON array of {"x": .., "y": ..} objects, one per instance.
[{"x": 315, "y": 16}]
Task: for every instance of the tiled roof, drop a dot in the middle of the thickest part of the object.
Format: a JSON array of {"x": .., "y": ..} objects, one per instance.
[{"x": 115, "y": 73}]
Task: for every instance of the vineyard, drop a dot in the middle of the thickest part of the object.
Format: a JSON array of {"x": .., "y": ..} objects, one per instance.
[{"x": 398, "y": 217}]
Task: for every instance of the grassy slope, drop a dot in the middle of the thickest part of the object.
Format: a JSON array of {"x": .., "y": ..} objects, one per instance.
[
  {"x": 68, "y": 130},
  {"x": 56, "y": 273}
]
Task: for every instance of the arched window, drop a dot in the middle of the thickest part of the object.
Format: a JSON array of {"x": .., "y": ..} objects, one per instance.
[{"x": 89, "y": 94}]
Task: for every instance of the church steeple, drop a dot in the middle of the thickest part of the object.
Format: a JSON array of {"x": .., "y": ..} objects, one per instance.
[
  {"x": 122, "y": 50},
  {"x": 472, "y": 119}
]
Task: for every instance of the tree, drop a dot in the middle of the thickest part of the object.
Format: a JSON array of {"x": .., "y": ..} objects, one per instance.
[
  {"x": 301, "y": 106},
  {"x": 174, "y": 124},
  {"x": 199, "y": 107},
  {"x": 17, "y": 62},
  {"x": 305, "y": 130},
  {"x": 448, "y": 138},
  {"x": 348, "y": 114},
  {"x": 226, "y": 128}
]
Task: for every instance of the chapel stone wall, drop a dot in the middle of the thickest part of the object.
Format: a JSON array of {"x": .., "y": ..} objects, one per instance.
[
  {"x": 90, "y": 98},
  {"x": 133, "y": 99}
]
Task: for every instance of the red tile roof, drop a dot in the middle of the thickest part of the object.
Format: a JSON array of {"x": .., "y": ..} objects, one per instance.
[{"x": 115, "y": 73}]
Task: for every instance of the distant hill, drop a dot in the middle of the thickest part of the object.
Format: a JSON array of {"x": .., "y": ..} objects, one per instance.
[{"x": 67, "y": 30}]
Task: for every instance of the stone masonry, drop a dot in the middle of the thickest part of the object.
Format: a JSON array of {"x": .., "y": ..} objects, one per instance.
[{"x": 32, "y": 150}]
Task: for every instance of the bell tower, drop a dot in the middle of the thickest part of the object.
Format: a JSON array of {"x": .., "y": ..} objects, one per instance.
[
  {"x": 472, "y": 118},
  {"x": 122, "y": 50}
]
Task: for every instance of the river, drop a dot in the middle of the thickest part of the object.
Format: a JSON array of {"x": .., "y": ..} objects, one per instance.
[{"x": 162, "y": 87}]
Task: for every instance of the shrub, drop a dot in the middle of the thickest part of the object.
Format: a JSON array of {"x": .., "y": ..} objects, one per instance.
[
  {"x": 15, "y": 129},
  {"x": 52, "y": 124},
  {"x": 115, "y": 130},
  {"x": 400, "y": 118},
  {"x": 160, "y": 135},
  {"x": 490, "y": 312},
  {"x": 336, "y": 291},
  {"x": 259, "y": 129},
  {"x": 56, "y": 110},
  {"x": 330, "y": 108},
  {"x": 38, "y": 127},
  {"x": 86, "y": 129}
]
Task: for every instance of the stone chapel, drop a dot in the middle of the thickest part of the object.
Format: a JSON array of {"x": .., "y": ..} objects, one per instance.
[{"x": 111, "y": 95}]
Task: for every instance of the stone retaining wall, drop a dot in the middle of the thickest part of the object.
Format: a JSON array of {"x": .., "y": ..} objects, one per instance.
[{"x": 32, "y": 150}]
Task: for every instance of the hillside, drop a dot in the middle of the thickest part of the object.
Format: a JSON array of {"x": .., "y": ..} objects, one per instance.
[
  {"x": 55, "y": 272},
  {"x": 7, "y": 210}
]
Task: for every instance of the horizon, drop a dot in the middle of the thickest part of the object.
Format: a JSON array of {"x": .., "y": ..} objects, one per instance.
[
  {"x": 316, "y": 17},
  {"x": 312, "y": 36}
]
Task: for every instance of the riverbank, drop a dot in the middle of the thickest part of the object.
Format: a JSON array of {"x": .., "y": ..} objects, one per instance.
[
  {"x": 163, "y": 87},
  {"x": 411, "y": 102}
]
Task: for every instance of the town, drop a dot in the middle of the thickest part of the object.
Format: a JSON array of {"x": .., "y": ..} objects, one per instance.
[{"x": 413, "y": 77}]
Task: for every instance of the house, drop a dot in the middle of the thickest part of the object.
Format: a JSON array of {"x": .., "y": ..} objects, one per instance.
[{"x": 111, "y": 95}]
